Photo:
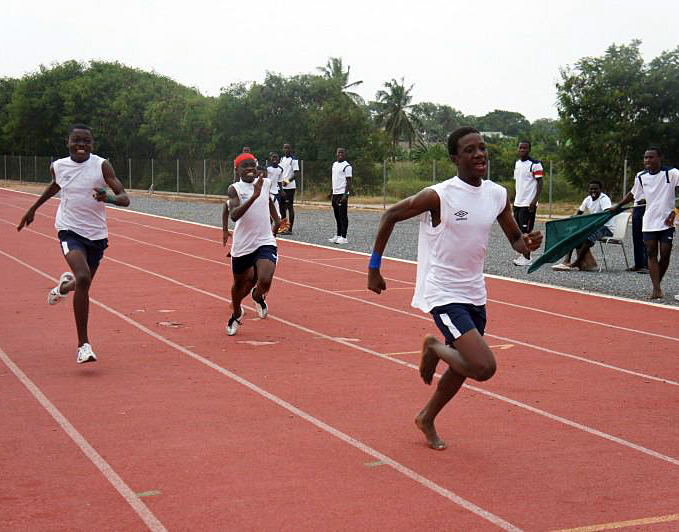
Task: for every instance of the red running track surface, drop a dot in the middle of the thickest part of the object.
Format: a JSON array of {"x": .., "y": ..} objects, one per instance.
[{"x": 304, "y": 421}]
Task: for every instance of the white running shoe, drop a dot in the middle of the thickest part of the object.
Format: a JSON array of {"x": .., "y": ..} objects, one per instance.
[
  {"x": 342, "y": 240},
  {"x": 85, "y": 354},
  {"x": 333, "y": 239},
  {"x": 260, "y": 305},
  {"x": 676, "y": 297},
  {"x": 55, "y": 295},
  {"x": 522, "y": 261},
  {"x": 561, "y": 267},
  {"x": 234, "y": 323}
]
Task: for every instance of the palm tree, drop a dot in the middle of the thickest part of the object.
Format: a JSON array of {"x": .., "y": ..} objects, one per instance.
[
  {"x": 393, "y": 107},
  {"x": 334, "y": 70}
]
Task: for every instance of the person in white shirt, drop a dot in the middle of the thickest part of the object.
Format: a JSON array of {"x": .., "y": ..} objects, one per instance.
[
  {"x": 274, "y": 173},
  {"x": 456, "y": 217},
  {"x": 658, "y": 184},
  {"x": 290, "y": 167},
  {"x": 82, "y": 179},
  {"x": 253, "y": 249},
  {"x": 596, "y": 202},
  {"x": 528, "y": 173},
  {"x": 341, "y": 189}
]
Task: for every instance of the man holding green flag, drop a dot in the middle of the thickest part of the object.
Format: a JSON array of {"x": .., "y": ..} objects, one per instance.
[{"x": 657, "y": 183}]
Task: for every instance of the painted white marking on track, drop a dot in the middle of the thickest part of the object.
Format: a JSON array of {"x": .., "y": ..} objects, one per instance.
[{"x": 102, "y": 465}]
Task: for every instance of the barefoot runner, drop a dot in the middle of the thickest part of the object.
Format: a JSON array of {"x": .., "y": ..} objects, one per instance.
[{"x": 456, "y": 217}]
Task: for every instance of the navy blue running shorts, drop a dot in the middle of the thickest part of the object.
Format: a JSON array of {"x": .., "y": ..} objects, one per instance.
[
  {"x": 242, "y": 263},
  {"x": 665, "y": 237},
  {"x": 93, "y": 249},
  {"x": 455, "y": 319}
]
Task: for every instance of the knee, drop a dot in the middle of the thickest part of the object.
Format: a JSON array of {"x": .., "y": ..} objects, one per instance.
[
  {"x": 83, "y": 280},
  {"x": 483, "y": 372}
]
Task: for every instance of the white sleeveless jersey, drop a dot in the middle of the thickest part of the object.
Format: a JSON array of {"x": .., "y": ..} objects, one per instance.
[
  {"x": 79, "y": 211},
  {"x": 450, "y": 256},
  {"x": 253, "y": 229}
]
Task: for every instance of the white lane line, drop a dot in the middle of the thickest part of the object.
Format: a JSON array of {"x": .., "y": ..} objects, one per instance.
[
  {"x": 357, "y": 444},
  {"x": 548, "y": 415},
  {"x": 114, "y": 479},
  {"x": 419, "y": 316}
]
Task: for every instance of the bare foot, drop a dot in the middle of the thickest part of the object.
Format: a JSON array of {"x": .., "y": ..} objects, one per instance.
[
  {"x": 657, "y": 294},
  {"x": 429, "y": 431},
  {"x": 429, "y": 359}
]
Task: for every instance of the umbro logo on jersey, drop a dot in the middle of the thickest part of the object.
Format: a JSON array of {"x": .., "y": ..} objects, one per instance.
[{"x": 460, "y": 215}]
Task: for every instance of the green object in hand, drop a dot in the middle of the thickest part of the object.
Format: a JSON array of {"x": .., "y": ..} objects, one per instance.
[{"x": 110, "y": 198}]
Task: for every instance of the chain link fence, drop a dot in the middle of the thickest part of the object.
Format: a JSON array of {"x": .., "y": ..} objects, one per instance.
[{"x": 383, "y": 182}]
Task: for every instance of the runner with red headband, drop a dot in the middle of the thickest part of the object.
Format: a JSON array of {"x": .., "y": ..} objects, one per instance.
[{"x": 253, "y": 250}]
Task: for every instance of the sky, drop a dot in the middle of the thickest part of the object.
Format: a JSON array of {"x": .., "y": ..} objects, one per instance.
[{"x": 474, "y": 56}]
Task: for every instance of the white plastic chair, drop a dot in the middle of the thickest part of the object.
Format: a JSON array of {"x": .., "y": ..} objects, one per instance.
[{"x": 619, "y": 233}]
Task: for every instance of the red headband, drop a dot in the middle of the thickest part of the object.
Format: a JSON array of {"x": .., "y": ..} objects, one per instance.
[{"x": 243, "y": 157}]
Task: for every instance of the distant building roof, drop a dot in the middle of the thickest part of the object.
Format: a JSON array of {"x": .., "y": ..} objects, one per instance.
[{"x": 499, "y": 134}]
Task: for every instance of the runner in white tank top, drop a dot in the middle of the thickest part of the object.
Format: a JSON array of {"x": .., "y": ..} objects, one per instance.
[
  {"x": 253, "y": 251},
  {"x": 456, "y": 217},
  {"x": 81, "y": 223}
]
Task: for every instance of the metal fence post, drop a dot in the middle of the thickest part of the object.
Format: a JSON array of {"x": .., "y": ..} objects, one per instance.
[
  {"x": 177, "y": 175},
  {"x": 20, "y": 177},
  {"x": 550, "y": 189},
  {"x": 204, "y": 177},
  {"x": 129, "y": 171},
  {"x": 152, "y": 174},
  {"x": 35, "y": 168},
  {"x": 488, "y": 176},
  {"x": 301, "y": 178},
  {"x": 624, "y": 178},
  {"x": 5, "y": 161},
  {"x": 384, "y": 184}
]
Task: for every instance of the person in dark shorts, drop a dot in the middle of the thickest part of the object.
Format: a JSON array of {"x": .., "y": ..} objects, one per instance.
[
  {"x": 528, "y": 173},
  {"x": 82, "y": 179},
  {"x": 456, "y": 217},
  {"x": 253, "y": 249},
  {"x": 657, "y": 184}
]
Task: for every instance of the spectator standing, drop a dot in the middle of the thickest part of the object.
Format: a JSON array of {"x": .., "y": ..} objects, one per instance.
[
  {"x": 657, "y": 183},
  {"x": 528, "y": 173},
  {"x": 341, "y": 189},
  {"x": 290, "y": 167}
]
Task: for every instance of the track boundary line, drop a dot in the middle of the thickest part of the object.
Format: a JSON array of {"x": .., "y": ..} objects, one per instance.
[{"x": 143, "y": 511}]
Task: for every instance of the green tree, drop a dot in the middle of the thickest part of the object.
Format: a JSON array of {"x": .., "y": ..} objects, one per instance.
[
  {"x": 393, "y": 113},
  {"x": 508, "y": 122},
  {"x": 334, "y": 71},
  {"x": 435, "y": 122},
  {"x": 603, "y": 105}
]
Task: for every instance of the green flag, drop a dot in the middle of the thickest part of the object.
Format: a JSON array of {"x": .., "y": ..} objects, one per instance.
[{"x": 561, "y": 236}]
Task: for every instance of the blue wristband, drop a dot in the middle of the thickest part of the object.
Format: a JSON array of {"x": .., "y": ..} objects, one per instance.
[{"x": 375, "y": 261}]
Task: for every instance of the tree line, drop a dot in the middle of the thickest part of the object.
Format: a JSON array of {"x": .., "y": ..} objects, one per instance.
[{"x": 610, "y": 109}]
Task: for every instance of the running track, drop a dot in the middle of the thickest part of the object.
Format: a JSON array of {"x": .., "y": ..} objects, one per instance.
[{"x": 304, "y": 421}]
